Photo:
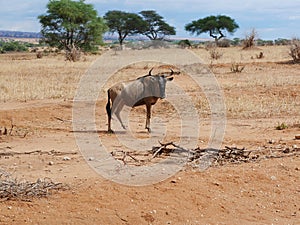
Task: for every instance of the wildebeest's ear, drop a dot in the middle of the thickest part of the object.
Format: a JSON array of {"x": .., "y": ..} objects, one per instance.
[{"x": 170, "y": 78}]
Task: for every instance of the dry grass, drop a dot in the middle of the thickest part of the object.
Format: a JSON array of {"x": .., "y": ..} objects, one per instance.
[
  {"x": 267, "y": 87},
  {"x": 24, "y": 77},
  {"x": 237, "y": 54},
  {"x": 264, "y": 88}
]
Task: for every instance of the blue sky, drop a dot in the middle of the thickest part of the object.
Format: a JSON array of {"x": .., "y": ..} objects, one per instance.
[{"x": 271, "y": 19}]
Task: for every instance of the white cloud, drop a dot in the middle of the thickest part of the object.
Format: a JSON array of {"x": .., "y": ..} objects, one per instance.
[{"x": 294, "y": 17}]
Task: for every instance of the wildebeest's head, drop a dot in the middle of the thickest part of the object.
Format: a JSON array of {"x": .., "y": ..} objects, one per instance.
[{"x": 156, "y": 84}]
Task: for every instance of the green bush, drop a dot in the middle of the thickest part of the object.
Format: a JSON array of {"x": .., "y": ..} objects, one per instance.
[
  {"x": 281, "y": 126},
  {"x": 184, "y": 43},
  {"x": 281, "y": 41},
  {"x": 12, "y": 46}
]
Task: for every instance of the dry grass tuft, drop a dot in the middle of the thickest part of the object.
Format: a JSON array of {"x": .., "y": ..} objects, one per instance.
[
  {"x": 295, "y": 50},
  {"x": 249, "y": 41},
  {"x": 237, "y": 68}
]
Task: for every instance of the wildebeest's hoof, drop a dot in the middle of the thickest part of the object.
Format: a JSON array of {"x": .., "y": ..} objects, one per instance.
[{"x": 110, "y": 131}]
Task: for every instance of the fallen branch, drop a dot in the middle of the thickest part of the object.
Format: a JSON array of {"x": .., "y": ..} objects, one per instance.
[
  {"x": 52, "y": 152},
  {"x": 164, "y": 148}
]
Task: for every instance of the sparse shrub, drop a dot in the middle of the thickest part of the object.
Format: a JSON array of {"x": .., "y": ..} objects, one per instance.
[
  {"x": 39, "y": 55},
  {"x": 158, "y": 44},
  {"x": 237, "y": 68},
  {"x": 261, "y": 42},
  {"x": 281, "y": 126},
  {"x": 249, "y": 41},
  {"x": 224, "y": 43},
  {"x": 73, "y": 54},
  {"x": 281, "y": 41},
  {"x": 260, "y": 55},
  {"x": 184, "y": 43},
  {"x": 236, "y": 42},
  {"x": 215, "y": 54},
  {"x": 295, "y": 50},
  {"x": 209, "y": 44}
]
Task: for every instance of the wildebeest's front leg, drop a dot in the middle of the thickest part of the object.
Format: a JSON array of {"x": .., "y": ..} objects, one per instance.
[
  {"x": 108, "y": 111},
  {"x": 148, "y": 107}
]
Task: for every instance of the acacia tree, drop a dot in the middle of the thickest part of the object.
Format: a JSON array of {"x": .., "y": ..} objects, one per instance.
[
  {"x": 214, "y": 25},
  {"x": 156, "y": 28},
  {"x": 124, "y": 24},
  {"x": 68, "y": 24}
]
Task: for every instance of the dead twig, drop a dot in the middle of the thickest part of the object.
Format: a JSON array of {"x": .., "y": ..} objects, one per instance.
[
  {"x": 62, "y": 120},
  {"x": 164, "y": 148},
  {"x": 12, "y": 127}
]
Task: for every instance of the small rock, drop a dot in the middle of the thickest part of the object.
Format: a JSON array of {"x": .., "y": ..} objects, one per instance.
[
  {"x": 286, "y": 150},
  {"x": 273, "y": 178},
  {"x": 297, "y": 136},
  {"x": 271, "y": 141},
  {"x": 50, "y": 163},
  {"x": 66, "y": 158},
  {"x": 9, "y": 207},
  {"x": 216, "y": 183},
  {"x": 91, "y": 158},
  {"x": 295, "y": 146}
]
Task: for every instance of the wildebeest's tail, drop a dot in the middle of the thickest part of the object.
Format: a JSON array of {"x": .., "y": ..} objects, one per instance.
[{"x": 108, "y": 108}]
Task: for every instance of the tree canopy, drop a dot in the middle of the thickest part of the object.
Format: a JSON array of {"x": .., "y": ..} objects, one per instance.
[
  {"x": 124, "y": 23},
  {"x": 214, "y": 25},
  {"x": 70, "y": 23},
  {"x": 156, "y": 27}
]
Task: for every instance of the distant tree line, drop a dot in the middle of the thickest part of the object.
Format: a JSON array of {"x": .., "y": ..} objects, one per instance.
[
  {"x": 74, "y": 26},
  {"x": 19, "y": 34}
]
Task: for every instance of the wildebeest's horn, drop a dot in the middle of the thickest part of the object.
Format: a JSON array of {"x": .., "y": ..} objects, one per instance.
[
  {"x": 172, "y": 72},
  {"x": 150, "y": 72}
]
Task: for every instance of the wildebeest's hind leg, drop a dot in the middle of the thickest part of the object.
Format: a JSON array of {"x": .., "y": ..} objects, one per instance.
[
  {"x": 116, "y": 109},
  {"x": 148, "y": 107}
]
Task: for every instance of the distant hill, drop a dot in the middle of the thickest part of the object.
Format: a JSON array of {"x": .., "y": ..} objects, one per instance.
[{"x": 19, "y": 34}]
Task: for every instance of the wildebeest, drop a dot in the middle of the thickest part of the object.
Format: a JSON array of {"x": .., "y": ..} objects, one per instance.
[{"x": 145, "y": 90}]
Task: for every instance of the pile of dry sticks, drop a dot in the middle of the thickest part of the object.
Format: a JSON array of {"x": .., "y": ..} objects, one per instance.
[
  {"x": 228, "y": 155},
  {"x": 12, "y": 188}
]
